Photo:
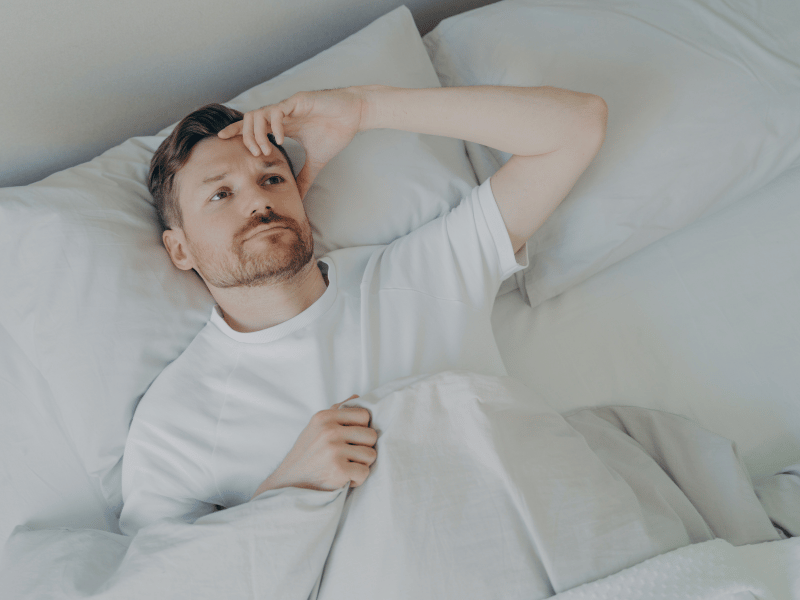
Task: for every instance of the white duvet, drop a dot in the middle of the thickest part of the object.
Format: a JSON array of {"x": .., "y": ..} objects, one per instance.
[{"x": 480, "y": 491}]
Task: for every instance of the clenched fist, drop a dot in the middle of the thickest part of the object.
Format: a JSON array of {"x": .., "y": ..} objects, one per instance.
[{"x": 335, "y": 448}]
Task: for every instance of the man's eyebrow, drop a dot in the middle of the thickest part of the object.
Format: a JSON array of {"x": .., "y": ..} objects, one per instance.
[
  {"x": 266, "y": 163},
  {"x": 208, "y": 180}
]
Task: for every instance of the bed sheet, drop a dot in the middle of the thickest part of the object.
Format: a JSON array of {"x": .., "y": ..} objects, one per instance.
[
  {"x": 712, "y": 569},
  {"x": 42, "y": 481},
  {"x": 703, "y": 324},
  {"x": 480, "y": 490}
]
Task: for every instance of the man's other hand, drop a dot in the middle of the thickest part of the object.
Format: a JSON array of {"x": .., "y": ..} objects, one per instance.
[{"x": 335, "y": 448}]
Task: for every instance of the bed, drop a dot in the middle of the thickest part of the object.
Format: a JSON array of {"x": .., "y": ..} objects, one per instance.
[{"x": 667, "y": 283}]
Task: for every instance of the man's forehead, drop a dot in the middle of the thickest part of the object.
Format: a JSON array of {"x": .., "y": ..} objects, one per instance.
[{"x": 212, "y": 159}]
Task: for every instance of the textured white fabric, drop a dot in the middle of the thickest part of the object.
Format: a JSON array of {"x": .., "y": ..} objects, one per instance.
[
  {"x": 81, "y": 563},
  {"x": 223, "y": 416},
  {"x": 480, "y": 490},
  {"x": 94, "y": 309},
  {"x": 780, "y": 496},
  {"x": 777, "y": 564},
  {"x": 702, "y": 102},
  {"x": 713, "y": 570},
  {"x": 485, "y": 491},
  {"x": 273, "y": 547}
]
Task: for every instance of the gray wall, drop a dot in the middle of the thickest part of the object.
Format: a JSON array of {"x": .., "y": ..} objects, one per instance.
[{"x": 82, "y": 76}]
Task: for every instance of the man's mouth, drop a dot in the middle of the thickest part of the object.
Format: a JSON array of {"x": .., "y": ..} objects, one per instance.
[{"x": 264, "y": 229}]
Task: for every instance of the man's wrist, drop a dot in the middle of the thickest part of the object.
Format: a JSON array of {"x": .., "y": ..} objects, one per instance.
[
  {"x": 270, "y": 483},
  {"x": 370, "y": 105}
]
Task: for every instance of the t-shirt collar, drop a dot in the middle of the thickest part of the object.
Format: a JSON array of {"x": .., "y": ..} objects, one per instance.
[{"x": 276, "y": 332}]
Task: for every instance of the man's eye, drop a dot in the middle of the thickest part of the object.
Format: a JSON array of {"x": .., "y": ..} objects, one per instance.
[
  {"x": 274, "y": 180},
  {"x": 220, "y": 195}
]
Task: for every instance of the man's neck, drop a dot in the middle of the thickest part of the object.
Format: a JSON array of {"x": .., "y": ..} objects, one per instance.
[{"x": 248, "y": 309}]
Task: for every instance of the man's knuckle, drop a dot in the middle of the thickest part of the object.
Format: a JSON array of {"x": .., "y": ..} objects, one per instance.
[
  {"x": 339, "y": 473},
  {"x": 361, "y": 474},
  {"x": 330, "y": 429},
  {"x": 329, "y": 458}
]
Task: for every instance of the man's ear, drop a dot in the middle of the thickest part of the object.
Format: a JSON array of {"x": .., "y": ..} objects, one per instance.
[{"x": 175, "y": 243}]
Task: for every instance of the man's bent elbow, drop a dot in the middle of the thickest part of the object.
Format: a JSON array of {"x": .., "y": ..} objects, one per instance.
[
  {"x": 592, "y": 127},
  {"x": 599, "y": 112}
]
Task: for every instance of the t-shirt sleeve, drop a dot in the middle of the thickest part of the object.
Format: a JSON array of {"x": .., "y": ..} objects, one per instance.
[
  {"x": 163, "y": 473},
  {"x": 152, "y": 497},
  {"x": 463, "y": 256}
]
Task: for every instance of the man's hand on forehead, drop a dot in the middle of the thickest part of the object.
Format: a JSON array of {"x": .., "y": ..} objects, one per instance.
[{"x": 323, "y": 122}]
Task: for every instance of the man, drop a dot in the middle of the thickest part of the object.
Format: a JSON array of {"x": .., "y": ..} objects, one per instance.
[{"x": 253, "y": 403}]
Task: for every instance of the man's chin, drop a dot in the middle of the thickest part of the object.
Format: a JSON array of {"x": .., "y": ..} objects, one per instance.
[
  {"x": 275, "y": 261},
  {"x": 257, "y": 272}
]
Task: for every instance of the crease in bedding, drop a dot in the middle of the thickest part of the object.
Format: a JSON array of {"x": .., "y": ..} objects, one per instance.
[{"x": 480, "y": 490}]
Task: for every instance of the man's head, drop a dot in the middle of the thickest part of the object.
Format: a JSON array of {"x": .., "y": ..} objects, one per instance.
[{"x": 235, "y": 218}]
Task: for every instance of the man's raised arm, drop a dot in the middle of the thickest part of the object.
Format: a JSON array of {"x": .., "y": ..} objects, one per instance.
[{"x": 554, "y": 134}]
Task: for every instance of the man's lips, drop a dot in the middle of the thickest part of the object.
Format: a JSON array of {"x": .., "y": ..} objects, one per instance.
[{"x": 263, "y": 228}]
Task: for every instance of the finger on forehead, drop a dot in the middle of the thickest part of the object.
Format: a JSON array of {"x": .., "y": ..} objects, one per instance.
[
  {"x": 247, "y": 134},
  {"x": 261, "y": 128},
  {"x": 352, "y": 415}
]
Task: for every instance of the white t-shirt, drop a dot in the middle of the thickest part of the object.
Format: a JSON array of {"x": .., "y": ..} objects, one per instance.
[{"x": 222, "y": 417}]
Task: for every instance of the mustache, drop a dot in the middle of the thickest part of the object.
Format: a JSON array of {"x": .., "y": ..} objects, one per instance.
[{"x": 264, "y": 219}]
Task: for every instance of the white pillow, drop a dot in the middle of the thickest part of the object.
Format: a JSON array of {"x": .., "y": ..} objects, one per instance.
[
  {"x": 703, "y": 109},
  {"x": 90, "y": 297}
]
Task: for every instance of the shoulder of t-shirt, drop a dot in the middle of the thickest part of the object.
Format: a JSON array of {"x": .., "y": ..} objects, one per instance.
[
  {"x": 351, "y": 264},
  {"x": 182, "y": 382}
]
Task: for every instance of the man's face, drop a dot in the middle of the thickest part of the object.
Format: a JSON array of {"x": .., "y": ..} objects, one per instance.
[{"x": 243, "y": 218}]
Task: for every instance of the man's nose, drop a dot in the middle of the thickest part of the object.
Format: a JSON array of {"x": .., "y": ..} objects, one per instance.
[{"x": 255, "y": 200}]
